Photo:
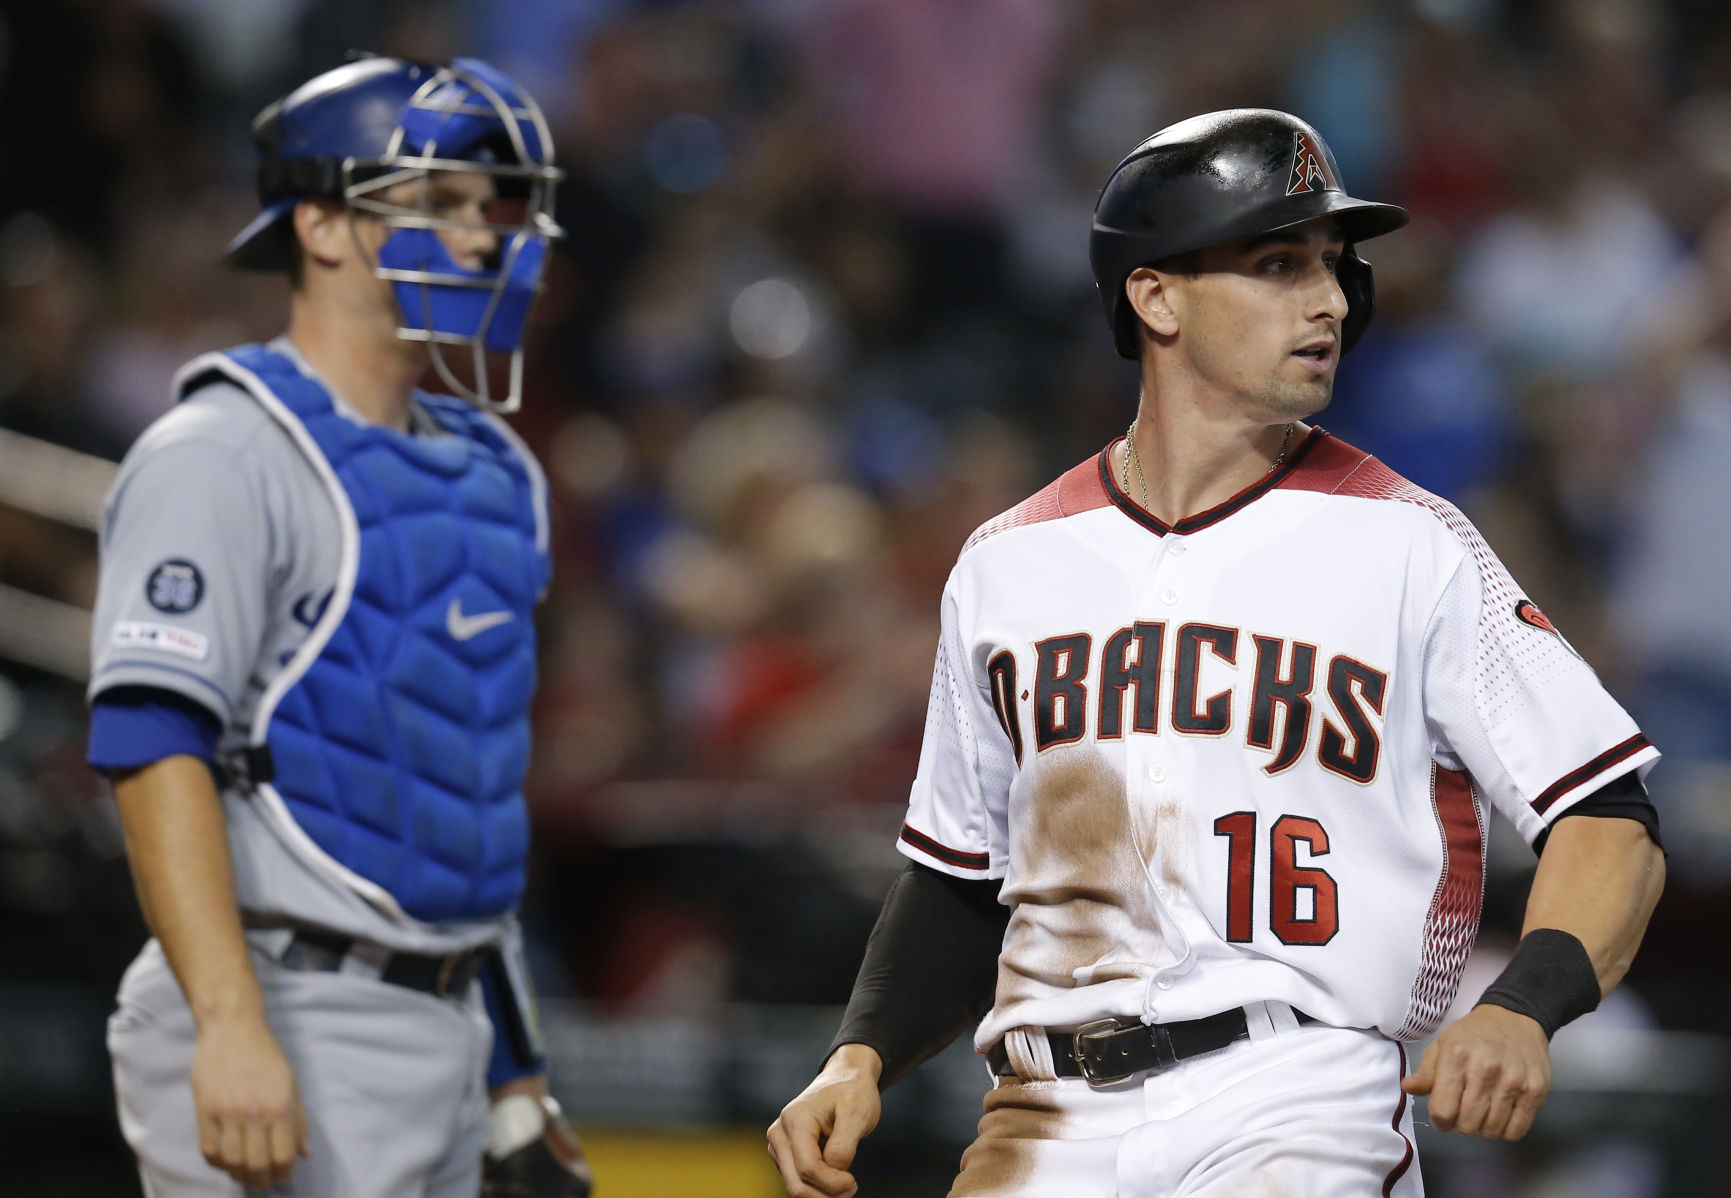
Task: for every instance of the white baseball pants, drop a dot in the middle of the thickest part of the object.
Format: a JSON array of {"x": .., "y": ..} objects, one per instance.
[{"x": 1295, "y": 1112}]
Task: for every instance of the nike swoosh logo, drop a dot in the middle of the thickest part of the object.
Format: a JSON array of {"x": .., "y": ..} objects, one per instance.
[{"x": 463, "y": 627}]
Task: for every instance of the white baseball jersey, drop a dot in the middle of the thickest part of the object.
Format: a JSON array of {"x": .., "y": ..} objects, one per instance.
[{"x": 1248, "y": 756}]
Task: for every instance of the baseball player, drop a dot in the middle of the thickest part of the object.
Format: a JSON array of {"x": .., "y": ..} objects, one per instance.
[
  {"x": 313, "y": 659},
  {"x": 1217, "y": 721}
]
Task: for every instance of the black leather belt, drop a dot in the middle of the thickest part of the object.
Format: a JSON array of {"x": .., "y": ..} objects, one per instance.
[
  {"x": 1113, "y": 1050},
  {"x": 448, "y": 976}
]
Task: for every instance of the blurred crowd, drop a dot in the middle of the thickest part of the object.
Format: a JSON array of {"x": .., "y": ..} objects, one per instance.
[{"x": 825, "y": 306}]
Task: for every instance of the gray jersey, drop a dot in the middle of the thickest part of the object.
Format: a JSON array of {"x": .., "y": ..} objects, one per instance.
[{"x": 220, "y": 546}]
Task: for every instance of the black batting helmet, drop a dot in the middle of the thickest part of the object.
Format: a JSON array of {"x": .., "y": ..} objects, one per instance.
[{"x": 1220, "y": 177}]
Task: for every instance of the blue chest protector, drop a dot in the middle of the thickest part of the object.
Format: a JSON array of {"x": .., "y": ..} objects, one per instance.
[{"x": 399, "y": 732}]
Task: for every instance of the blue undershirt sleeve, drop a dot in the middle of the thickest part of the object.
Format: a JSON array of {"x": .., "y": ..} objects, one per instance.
[{"x": 132, "y": 726}]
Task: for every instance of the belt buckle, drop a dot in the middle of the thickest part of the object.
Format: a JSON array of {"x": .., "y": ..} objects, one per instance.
[{"x": 1098, "y": 1030}]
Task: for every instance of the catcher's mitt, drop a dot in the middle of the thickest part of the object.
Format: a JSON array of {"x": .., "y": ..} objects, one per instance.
[{"x": 532, "y": 1152}]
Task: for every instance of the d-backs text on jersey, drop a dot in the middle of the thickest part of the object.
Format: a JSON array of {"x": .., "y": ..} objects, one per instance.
[{"x": 1122, "y": 692}]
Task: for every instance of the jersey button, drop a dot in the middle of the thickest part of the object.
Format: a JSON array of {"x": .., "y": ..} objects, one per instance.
[
  {"x": 1163, "y": 892},
  {"x": 1157, "y": 773},
  {"x": 1168, "y": 596},
  {"x": 1177, "y": 548},
  {"x": 1164, "y": 982}
]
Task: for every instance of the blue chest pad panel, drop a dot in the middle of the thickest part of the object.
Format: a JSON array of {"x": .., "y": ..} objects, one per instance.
[{"x": 399, "y": 731}]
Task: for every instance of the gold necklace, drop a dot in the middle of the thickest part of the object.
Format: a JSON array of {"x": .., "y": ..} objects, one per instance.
[{"x": 1130, "y": 455}]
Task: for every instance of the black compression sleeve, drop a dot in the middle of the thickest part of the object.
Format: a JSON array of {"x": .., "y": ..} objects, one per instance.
[
  {"x": 930, "y": 968},
  {"x": 1621, "y": 798}
]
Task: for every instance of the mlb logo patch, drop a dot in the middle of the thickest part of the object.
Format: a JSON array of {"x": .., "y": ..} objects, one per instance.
[
  {"x": 1310, "y": 168},
  {"x": 140, "y": 634}
]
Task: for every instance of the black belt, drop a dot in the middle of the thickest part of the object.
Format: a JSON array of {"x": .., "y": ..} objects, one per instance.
[
  {"x": 1112, "y": 1050},
  {"x": 448, "y": 976}
]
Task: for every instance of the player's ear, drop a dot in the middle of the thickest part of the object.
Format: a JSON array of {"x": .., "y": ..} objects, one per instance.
[
  {"x": 322, "y": 228},
  {"x": 1150, "y": 298}
]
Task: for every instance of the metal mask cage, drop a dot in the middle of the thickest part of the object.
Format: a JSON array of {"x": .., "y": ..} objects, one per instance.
[{"x": 365, "y": 180}]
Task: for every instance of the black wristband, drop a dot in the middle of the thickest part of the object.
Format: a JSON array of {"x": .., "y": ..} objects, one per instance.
[{"x": 1550, "y": 978}]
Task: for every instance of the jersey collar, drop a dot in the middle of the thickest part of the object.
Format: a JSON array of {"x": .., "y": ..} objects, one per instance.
[{"x": 1219, "y": 511}]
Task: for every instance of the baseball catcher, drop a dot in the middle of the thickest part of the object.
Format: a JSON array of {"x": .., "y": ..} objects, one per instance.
[{"x": 313, "y": 655}]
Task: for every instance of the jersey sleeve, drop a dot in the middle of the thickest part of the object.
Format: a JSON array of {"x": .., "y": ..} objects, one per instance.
[
  {"x": 958, "y": 810},
  {"x": 185, "y": 562},
  {"x": 1512, "y": 702}
]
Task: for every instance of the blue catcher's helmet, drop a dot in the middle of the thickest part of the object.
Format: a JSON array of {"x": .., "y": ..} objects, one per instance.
[{"x": 354, "y": 133}]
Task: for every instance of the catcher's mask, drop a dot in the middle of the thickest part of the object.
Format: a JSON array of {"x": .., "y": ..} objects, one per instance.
[
  {"x": 361, "y": 131},
  {"x": 1217, "y": 178}
]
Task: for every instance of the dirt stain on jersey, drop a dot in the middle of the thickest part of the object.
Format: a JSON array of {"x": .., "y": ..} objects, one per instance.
[
  {"x": 1081, "y": 893},
  {"x": 1267, "y": 1185},
  {"x": 1174, "y": 845},
  {"x": 1018, "y": 1116}
]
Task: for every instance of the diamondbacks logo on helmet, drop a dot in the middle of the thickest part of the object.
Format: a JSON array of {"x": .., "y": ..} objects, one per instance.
[{"x": 1310, "y": 168}]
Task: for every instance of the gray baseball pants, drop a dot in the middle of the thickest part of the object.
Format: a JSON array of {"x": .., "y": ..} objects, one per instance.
[{"x": 393, "y": 1081}]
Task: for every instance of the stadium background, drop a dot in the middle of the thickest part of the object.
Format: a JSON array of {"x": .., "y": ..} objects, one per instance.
[{"x": 825, "y": 306}]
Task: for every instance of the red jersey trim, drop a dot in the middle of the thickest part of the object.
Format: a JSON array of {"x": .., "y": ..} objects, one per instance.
[
  {"x": 1070, "y": 494},
  {"x": 1218, "y": 512},
  {"x": 1453, "y": 920},
  {"x": 942, "y": 852},
  {"x": 1336, "y": 468},
  {"x": 1399, "y": 1171},
  {"x": 1615, "y": 755}
]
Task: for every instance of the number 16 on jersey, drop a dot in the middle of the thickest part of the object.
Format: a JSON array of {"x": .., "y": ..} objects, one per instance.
[{"x": 1303, "y": 901}]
